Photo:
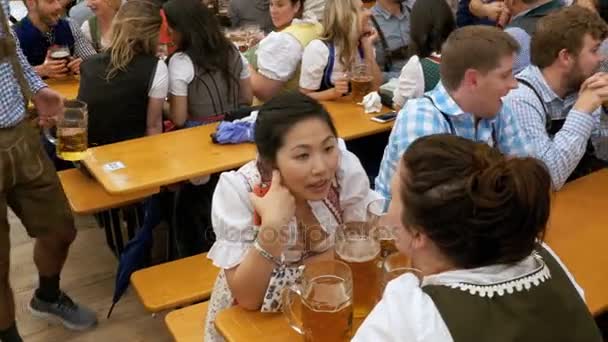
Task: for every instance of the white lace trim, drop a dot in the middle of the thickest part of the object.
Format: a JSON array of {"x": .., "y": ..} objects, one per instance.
[{"x": 520, "y": 284}]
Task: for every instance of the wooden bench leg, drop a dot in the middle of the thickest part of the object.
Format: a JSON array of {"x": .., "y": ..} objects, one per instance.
[
  {"x": 106, "y": 223},
  {"x": 120, "y": 246},
  {"x": 130, "y": 215},
  {"x": 141, "y": 215}
]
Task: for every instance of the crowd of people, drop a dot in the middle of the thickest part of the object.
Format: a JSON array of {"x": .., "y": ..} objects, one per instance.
[{"x": 499, "y": 104}]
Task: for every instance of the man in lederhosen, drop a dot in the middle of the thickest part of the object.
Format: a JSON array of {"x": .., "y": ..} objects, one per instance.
[{"x": 30, "y": 186}]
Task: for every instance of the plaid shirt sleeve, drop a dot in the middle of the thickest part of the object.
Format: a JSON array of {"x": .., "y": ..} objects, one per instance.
[
  {"x": 562, "y": 153},
  {"x": 82, "y": 47},
  {"x": 12, "y": 104},
  {"x": 417, "y": 119},
  {"x": 511, "y": 138}
]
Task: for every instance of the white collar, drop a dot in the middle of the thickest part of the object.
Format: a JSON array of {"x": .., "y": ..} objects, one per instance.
[
  {"x": 305, "y": 20},
  {"x": 495, "y": 279}
]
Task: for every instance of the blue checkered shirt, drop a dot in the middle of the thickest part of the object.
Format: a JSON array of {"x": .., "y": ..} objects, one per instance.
[
  {"x": 12, "y": 105},
  {"x": 522, "y": 60},
  {"x": 420, "y": 118},
  {"x": 562, "y": 152}
]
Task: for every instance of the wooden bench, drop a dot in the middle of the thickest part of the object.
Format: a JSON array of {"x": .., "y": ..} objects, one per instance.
[
  {"x": 176, "y": 283},
  {"x": 188, "y": 324},
  {"x": 86, "y": 196}
]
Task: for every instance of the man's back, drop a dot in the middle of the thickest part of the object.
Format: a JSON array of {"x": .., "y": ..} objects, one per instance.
[{"x": 251, "y": 12}]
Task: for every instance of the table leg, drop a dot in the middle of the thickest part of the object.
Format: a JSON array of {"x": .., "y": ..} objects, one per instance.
[
  {"x": 130, "y": 215},
  {"x": 106, "y": 223},
  {"x": 114, "y": 213}
]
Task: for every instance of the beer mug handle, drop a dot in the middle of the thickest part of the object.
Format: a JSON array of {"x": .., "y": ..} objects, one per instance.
[
  {"x": 288, "y": 298},
  {"x": 49, "y": 136}
]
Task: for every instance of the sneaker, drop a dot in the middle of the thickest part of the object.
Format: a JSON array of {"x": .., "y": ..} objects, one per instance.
[{"x": 70, "y": 314}]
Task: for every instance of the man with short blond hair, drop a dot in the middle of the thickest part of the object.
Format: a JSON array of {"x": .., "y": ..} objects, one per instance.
[{"x": 466, "y": 102}]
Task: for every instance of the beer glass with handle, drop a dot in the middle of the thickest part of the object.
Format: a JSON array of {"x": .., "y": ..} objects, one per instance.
[
  {"x": 72, "y": 136},
  {"x": 324, "y": 301},
  {"x": 357, "y": 247},
  {"x": 376, "y": 211},
  {"x": 360, "y": 81},
  {"x": 394, "y": 266},
  {"x": 60, "y": 52}
]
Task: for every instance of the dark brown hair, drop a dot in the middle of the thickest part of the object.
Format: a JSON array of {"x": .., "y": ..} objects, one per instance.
[
  {"x": 478, "y": 207},
  {"x": 277, "y": 116},
  {"x": 564, "y": 29},
  {"x": 431, "y": 22},
  {"x": 202, "y": 39},
  {"x": 478, "y": 47}
]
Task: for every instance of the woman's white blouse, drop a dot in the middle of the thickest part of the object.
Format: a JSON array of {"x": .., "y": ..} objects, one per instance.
[
  {"x": 411, "y": 81},
  {"x": 407, "y": 313},
  {"x": 232, "y": 211},
  {"x": 314, "y": 61},
  {"x": 280, "y": 54}
]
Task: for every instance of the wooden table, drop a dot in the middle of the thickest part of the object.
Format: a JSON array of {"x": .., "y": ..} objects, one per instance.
[
  {"x": 168, "y": 158},
  {"x": 239, "y": 325},
  {"x": 578, "y": 233},
  {"x": 68, "y": 87},
  {"x": 87, "y": 196}
]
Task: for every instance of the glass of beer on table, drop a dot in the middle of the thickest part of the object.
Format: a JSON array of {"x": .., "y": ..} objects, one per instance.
[
  {"x": 396, "y": 265},
  {"x": 375, "y": 217},
  {"x": 321, "y": 307},
  {"x": 360, "y": 81},
  {"x": 71, "y": 141},
  {"x": 357, "y": 246},
  {"x": 58, "y": 52}
]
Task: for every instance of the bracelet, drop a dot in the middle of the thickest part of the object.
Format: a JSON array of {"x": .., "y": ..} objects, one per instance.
[{"x": 264, "y": 253}]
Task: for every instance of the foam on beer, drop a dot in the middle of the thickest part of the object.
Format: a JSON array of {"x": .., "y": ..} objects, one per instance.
[
  {"x": 60, "y": 54},
  {"x": 358, "y": 250},
  {"x": 362, "y": 255},
  {"x": 327, "y": 294}
]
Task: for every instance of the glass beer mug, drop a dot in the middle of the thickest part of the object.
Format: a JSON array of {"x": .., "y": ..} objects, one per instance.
[
  {"x": 376, "y": 210},
  {"x": 360, "y": 81},
  {"x": 59, "y": 52},
  {"x": 396, "y": 265},
  {"x": 71, "y": 141},
  {"x": 321, "y": 308},
  {"x": 357, "y": 247}
]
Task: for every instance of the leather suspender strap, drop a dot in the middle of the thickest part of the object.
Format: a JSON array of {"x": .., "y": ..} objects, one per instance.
[
  {"x": 540, "y": 98},
  {"x": 388, "y": 61},
  {"x": 445, "y": 116}
]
